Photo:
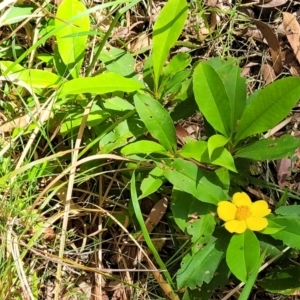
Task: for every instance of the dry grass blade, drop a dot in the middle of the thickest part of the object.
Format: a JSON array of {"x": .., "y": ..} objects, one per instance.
[
  {"x": 273, "y": 43},
  {"x": 292, "y": 30},
  {"x": 69, "y": 197}
]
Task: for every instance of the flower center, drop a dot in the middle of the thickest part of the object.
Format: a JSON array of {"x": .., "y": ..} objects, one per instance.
[{"x": 243, "y": 212}]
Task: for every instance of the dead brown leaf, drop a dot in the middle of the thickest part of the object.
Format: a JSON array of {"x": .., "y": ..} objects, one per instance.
[
  {"x": 141, "y": 42},
  {"x": 268, "y": 74},
  {"x": 292, "y": 30},
  {"x": 273, "y": 43},
  {"x": 23, "y": 121},
  {"x": 156, "y": 214},
  {"x": 273, "y": 3},
  {"x": 283, "y": 167},
  {"x": 247, "y": 68}
]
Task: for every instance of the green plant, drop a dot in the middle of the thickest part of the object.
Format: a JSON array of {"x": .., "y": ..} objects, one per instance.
[{"x": 119, "y": 109}]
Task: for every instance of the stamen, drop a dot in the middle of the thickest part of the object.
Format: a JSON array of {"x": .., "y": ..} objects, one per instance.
[{"x": 243, "y": 212}]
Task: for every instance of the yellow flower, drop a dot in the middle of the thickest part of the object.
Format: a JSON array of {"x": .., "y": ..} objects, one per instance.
[{"x": 241, "y": 213}]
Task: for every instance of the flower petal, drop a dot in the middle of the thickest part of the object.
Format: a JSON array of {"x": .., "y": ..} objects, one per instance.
[
  {"x": 226, "y": 210},
  {"x": 260, "y": 209},
  {"x": 236, "y": 226},
  {"x": 241, "y": 199},
  {"x": 256, "y": 223}
]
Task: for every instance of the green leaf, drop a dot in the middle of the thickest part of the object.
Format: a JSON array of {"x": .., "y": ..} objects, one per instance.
[
  {"x": 212, "y": 98},
  {"x": 202, "y": 229},
  {"x": 117, "y": 104},
  {"x": 71, "y": 49},
  {"x": 291, "y": 210},
  {"x": 272, "y": 227},
  {"x": 242, "y": 254},
  {"x": 187, "y": 177},
  {"x": 270, "y": 149},
  {"x": 74, "y": 118},
  {"x": 118, "y": 61},
  {"x": 178, "y": 63},
  {"x": 283, "y": 281},
  {"x": 199, "y": 151},
  {"x": 251, "y": 280},
  {"x": 33, "y": 77},
  {"x": 290, "y": 234},
  {"x": 146, "y": 147},
  {"x": 269, "y": 107},
  {"x": 220, "y": 279},
  {"x": 37, "y": 78},
  {"x": 105, "y": 83},
  {"x": 120, "y": 134},
  {"x": 16, "y": 14},
  {"x": 166, "y": 31},
  {"x": 151, "y": 183},
  {"x": 235, "y": 86},
  {"x": 200, "y": 267},
  {"x": 214, "y": 142},
  {"x": 184, "y": 207},
  {"x": 157, "y": 120}
]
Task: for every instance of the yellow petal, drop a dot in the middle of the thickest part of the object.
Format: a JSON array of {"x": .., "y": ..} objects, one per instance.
[
  {"x": 260, "y": 209},
  {"x": 241, "y": 199},
  {"x": 226, "y": 210},
  {"x": 256, "y": 223},
  {"x": 236, "y": 226}
]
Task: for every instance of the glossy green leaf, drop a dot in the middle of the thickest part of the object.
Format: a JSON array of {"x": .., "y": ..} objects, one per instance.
[
  {"x": 269, "y": 107},
  {"x": 242, "y": 254},
  {"x": 201, "y": 266},
  {"x": 199, "y": 151},
  {"x": 214, "y": 142},
  {"x": 146, "y": 147},
  {"x": 187, "y": 177},
  {"x": 270, "y": 149},
  {"x": 157, "y": 121},
  {"x": 152, "y": 183},
  {"x": 105, "y": 83},
  {"x": 282, "y": 280},
  {"x": 290, "y": 234},
  {"x": 166, "y": 31},
  {"x": 290, "y": 210},
  {"x": 212, "y": 98},
  {"x": 72, "y": 49}
]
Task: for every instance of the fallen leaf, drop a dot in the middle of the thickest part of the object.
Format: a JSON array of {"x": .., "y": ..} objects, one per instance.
[
  {"x": 273, "y": 3},
  {"x": 283, "y": 170},
  {"x": 273, "y": 43},
  {"x": 141, "y": 42},
  {"x": 157, "y": 212},
  {"x": 247, "y": 68},
  {"x": 292, "y": 30},
  {"x": 25, "y": 120},
  {"x": 268, "y": 74}
]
